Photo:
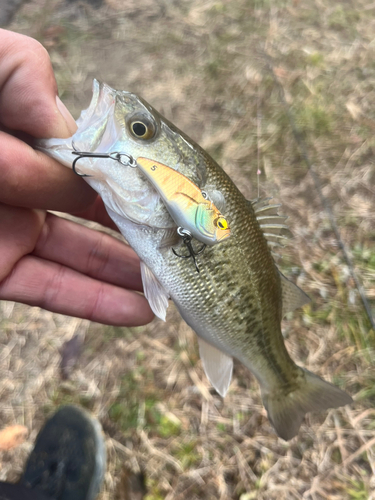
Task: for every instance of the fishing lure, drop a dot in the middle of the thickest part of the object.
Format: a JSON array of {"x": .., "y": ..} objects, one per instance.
[{"x": 188, "y": 205}]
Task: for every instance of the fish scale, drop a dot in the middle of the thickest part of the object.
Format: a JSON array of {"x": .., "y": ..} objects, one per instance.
[{"x": 236, "y": 302}]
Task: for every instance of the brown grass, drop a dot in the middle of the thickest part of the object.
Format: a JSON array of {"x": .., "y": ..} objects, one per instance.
[{"x": 202, "y": 65}]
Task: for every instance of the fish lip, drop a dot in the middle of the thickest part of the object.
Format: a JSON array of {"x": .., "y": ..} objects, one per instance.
[
  {"x": 97, "y": 115},
  {"x": 86, "y": 114}
]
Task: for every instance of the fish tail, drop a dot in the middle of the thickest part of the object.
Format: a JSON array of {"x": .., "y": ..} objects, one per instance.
[{"x": 286, "y": 411}]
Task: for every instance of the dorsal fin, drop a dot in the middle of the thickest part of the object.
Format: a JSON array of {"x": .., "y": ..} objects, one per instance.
[
  {"x": 272, "y": 224},
  {"x": 275, "y": 231},
  {"x": 261, "y": 206},
  {"x": 292, "y": 296}
]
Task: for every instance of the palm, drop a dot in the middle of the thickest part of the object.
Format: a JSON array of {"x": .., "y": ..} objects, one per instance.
[{"x": 65, "y": 267}]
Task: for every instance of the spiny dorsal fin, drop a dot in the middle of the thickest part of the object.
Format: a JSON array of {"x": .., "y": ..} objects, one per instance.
[
  {"x": 261, "y": 206},
  {"x": 272, "y": 224},
  {"x": 217, "y": 366},
  {"x": 154, "y": 292},
  {"x": 275, "y": 231},
  {"x": 271, "y": 219},
  {"x": 293, "y": 297}
]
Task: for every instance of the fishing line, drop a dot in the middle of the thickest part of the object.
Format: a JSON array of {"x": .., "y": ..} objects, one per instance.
[
  {"x": 326, "y": 205},
  {"x": 259, "y": 132}
]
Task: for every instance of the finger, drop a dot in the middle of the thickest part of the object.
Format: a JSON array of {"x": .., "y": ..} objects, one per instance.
[
  {"x": 28, "y": 89},
  {"x": 59, "y": 289},
  {"x": 97, "y": 213},
  {"x": 89, "y": 252},
  {"x": 19, "y": 230},
  {"x": 28, "y": 178}
]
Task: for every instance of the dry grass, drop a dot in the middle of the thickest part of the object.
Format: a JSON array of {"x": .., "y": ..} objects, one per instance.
[{"x": 202, "y": 65}]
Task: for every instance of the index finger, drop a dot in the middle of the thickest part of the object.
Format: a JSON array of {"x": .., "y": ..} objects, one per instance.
[
  {"x": 28, "y": 94},
  {"x": 29, "y": 178},
  {"x": 28, "y": 89}
]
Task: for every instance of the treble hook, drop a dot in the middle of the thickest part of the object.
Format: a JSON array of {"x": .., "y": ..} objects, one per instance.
[
  {"x": 186, "y": 239},
  {"x": 115, "y": 155}
]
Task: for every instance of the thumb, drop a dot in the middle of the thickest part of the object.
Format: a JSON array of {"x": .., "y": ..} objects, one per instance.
[
  {"x": 28, "y": 90},
  {"x": 68, "y": 119}
]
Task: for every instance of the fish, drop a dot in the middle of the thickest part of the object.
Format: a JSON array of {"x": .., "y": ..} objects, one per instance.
[{"x": 237, "y": 301}]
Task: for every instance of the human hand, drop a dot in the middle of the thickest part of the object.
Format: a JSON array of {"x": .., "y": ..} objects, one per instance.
[{"x": 45, "y": 260}]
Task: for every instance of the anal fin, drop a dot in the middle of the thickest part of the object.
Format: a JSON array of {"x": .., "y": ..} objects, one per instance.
[
  {"x": 218, "y": 366},
  {"x": 154, "y": 292}
]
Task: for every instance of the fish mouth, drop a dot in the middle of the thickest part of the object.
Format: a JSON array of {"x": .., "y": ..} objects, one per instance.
[{"x": 96, "y": 126}]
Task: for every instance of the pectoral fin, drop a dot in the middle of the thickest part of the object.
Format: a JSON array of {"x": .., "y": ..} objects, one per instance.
[
  {"x": 154, "y": 292},
  {"x": 293, "y": 297},
  {"x": 217, "y": 199},
  {"x": 218, "y": 366},
  {"x": 170, "y": 238}
]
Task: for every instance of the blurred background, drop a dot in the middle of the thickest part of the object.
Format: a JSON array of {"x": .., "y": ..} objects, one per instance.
[{"x": 215, "y": 69}]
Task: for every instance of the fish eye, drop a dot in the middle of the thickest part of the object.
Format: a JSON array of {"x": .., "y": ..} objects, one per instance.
[
  {"x": 142, "y": 127},
  {"x": 222, "y": 223},
  {"x": 139, "y": 129}
]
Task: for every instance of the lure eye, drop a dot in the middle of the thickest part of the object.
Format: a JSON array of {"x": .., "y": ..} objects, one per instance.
[
  {"x": 222, "y": 223},
  {"x": 142, "y": 127}
]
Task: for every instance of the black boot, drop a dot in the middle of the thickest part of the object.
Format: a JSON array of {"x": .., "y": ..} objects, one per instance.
[{"x": 68, "y": 461}]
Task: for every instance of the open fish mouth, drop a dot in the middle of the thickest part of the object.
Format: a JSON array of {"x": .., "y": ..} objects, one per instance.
[
  {"x": 87, "y": 114},
  {"x": 97, "y": 128},
  {"x": 100, "y": 132}
]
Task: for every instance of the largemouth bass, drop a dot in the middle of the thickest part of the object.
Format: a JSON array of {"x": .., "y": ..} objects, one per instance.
[{"x": 236, "y": 303}]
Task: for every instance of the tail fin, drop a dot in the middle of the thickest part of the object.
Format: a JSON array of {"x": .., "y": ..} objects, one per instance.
[{"x": 286, "y": 412}]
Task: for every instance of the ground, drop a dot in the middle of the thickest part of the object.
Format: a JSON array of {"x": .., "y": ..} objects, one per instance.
[{"x": 210, "y": 67}]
